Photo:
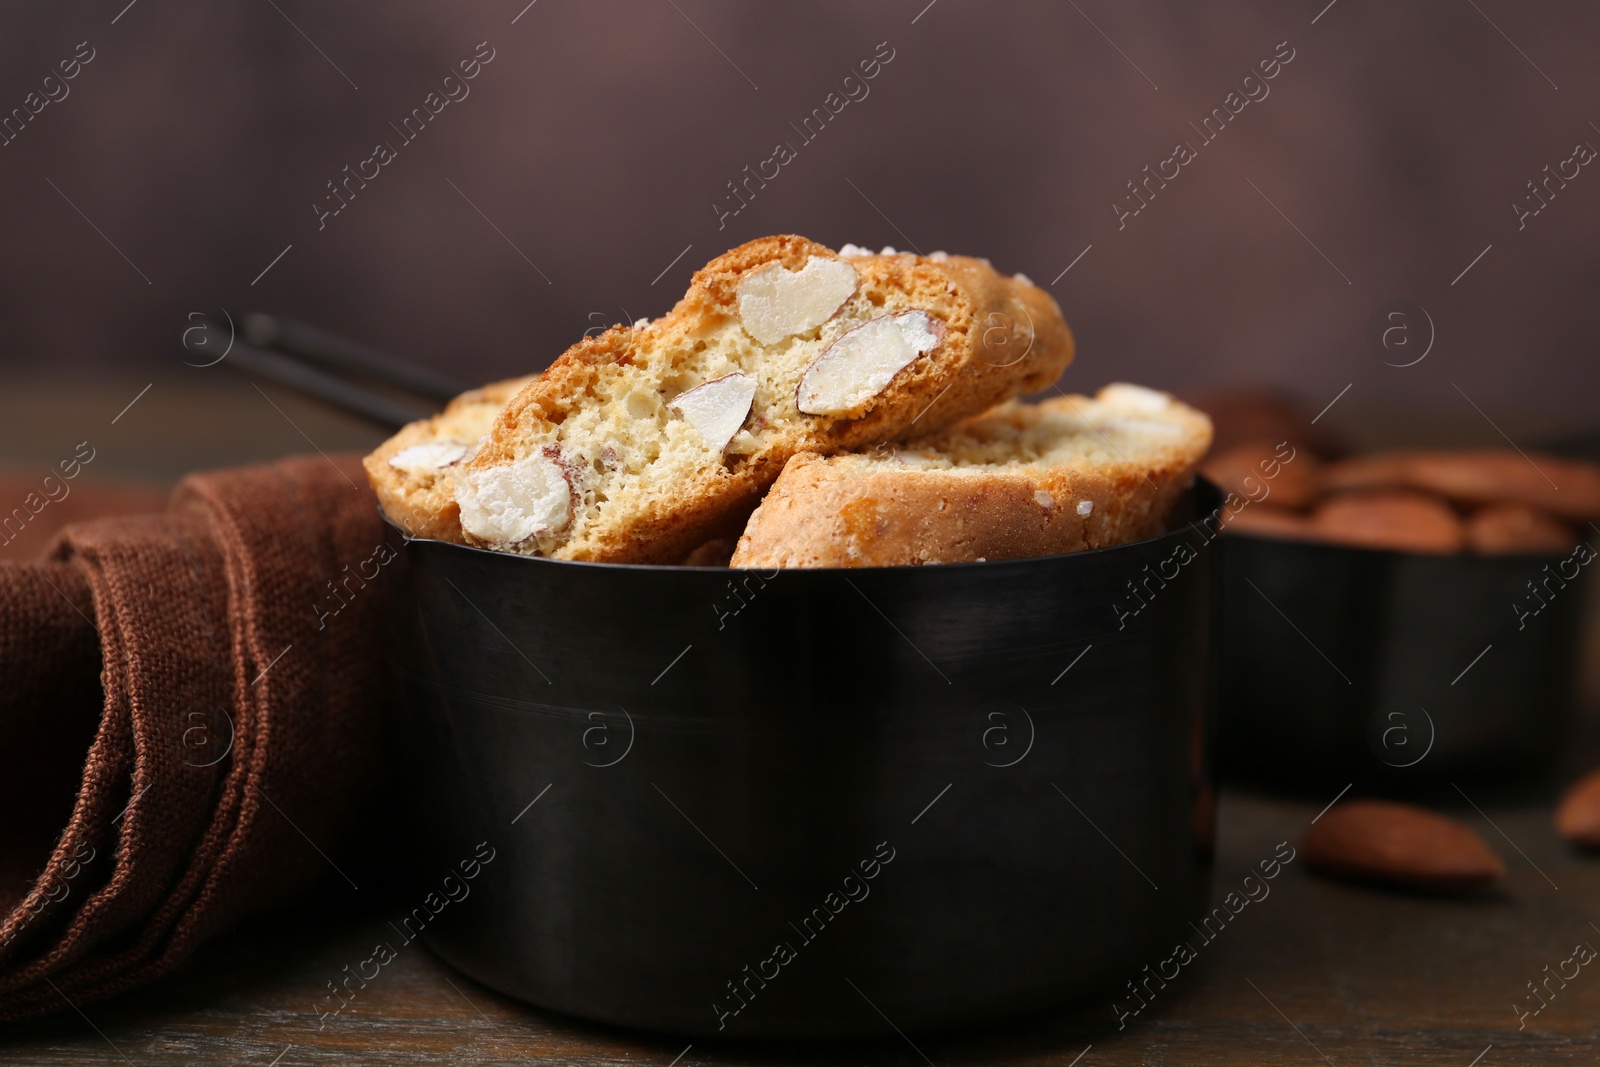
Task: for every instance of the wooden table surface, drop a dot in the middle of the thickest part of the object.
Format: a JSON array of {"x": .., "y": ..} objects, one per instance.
[{"x": 1318, "y": 972}]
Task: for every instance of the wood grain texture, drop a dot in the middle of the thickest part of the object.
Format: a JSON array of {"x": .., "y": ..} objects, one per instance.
[
  {"x": 1317, "y": 972},
  {"x": 1370, "y": 977}
]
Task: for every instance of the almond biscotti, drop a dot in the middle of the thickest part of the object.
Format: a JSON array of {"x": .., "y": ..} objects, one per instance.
[
  {"x": 414, "y": 471},
  {"x": 1064, "y": 475},
  {"x": 642, "y": 443}
]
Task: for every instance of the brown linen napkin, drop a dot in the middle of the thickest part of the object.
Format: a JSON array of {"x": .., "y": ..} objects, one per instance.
[{"x": 228, "y": 714}]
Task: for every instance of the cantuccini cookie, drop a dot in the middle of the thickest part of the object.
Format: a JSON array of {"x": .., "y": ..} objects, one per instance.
[
  {"x": 1067, "y": 474},
  {"x": 642, "y": 443},
  {"x": 414, "y": 471}
]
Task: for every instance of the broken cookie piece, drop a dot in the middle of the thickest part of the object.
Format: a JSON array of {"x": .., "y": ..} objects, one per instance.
[
  {"x": 1067, "y": 474},
  {"x": 669, "y": 432},
  {"x": 414, "y": 471}
]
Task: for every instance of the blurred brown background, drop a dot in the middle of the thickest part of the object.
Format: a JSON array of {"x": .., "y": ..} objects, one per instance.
[{"x": 576, "y": 184}]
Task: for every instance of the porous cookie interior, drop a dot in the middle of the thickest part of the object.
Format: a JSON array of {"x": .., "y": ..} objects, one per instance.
[
  {"x": 414, "y": 471},
  {"x": 1125, "y": 424},
  {"x": 1068, "y": 474},
  {"x": 628, "y": 453}
]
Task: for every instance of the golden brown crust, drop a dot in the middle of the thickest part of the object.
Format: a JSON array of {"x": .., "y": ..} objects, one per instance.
[
  {"x": 818, "y": 515},
  {"x": 987, "y": 320},
  {"x": 422, "y": 502},
  {"x": 880, "y": 511}
]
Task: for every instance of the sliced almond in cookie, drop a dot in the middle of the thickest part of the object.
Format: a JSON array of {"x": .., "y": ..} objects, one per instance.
[
  {"x": 671, "y": 431},
  {"x": 430, "y": 456},
  {"x": 862, "y": 363},
  {"x": 717, "y": 408},
  {"x": 414, "y": 471},
  {"x": 516, "y": 503},
  {"x": 776, "y": 302}
]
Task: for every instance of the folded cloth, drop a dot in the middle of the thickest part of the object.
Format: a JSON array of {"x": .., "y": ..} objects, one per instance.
[{"x": 188, "y": 722}]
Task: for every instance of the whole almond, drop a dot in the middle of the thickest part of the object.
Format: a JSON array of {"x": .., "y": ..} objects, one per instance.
[
  {"x": 1567, "y": 488},
  {"x": 1578, "y": 816},
  {"x": 1400, "y": 844},
  {"x": 1264, "y": 520},
  {"x": 1406, "y": 522},
  {"x": 1256, "y": 471},
  {"x": 1377, "y": 470},
  {"x": 1513, "y": 529}
]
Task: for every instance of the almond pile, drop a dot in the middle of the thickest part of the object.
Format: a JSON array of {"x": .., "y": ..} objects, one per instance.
[{"x": 1485, "y": 501}]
